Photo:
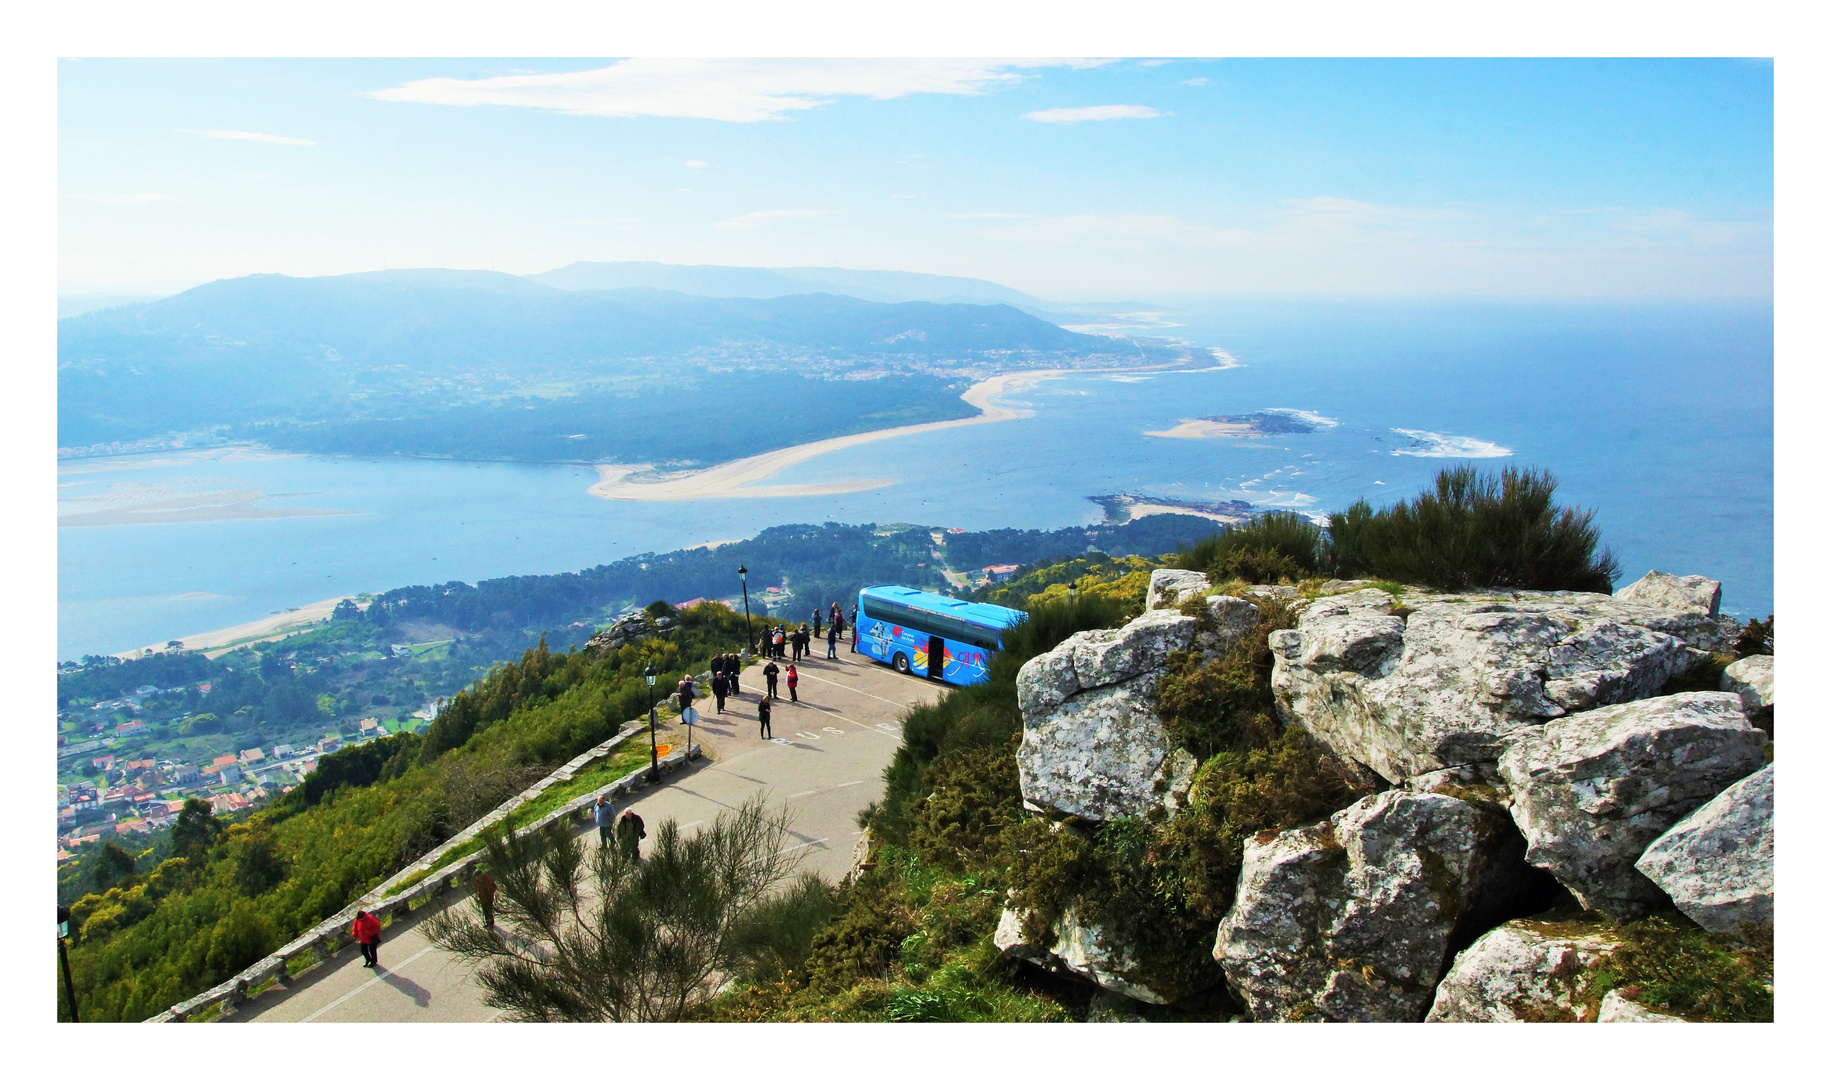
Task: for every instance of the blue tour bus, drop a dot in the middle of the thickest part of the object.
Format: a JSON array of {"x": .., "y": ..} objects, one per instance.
[{"x": 909, "y": 629}]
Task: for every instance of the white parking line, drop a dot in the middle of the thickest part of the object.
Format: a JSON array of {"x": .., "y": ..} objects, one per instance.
[{"x": 810, "y": 843}]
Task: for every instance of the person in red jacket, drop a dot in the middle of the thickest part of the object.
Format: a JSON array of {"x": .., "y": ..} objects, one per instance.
[
  {"x": 794, "y": 678},
  {"x": 367, "y": 932}
]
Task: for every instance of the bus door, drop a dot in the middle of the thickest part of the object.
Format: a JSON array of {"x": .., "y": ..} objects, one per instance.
[{"x": 937, "y": 658}]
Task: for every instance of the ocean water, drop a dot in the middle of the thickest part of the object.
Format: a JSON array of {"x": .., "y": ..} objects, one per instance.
[{"x": 1660, "y": 417}]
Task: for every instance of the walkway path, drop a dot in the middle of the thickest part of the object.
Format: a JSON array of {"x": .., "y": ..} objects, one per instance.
[{"x": 826, "y": 763}]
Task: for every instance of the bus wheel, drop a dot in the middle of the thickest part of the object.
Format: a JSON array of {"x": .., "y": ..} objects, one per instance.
[{"x": 901, "y": 664}]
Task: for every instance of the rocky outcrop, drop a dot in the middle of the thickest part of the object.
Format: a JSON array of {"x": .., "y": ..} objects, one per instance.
[
  {"x": 1693, "y": 593},
  {"x": 1521, "y": 972},
  {"x": 1092, "y": 952},
  {"x": 1591, "y": 791},
  {"x": 1353, "y": 919},
  {"x": 1717, "y": 864},
  {"x": 1443, "y": 681},
  {"x": 1752, "y": 679},
  {"x": 1093, "y": 745},
  {"x": 1169, "y": 588},
  {"x": 625, "y": 629},
  {"x": 1618, "y": 1008}
]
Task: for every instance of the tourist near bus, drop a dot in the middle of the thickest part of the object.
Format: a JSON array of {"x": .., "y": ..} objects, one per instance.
[{"x": 794, "y": 679}]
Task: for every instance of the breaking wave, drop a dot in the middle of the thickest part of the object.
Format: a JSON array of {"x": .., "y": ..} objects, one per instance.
[{"x": 1432, "y": 444}]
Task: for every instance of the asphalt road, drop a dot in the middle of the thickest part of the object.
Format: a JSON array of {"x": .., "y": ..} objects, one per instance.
[{"x": 825, "y": 762}]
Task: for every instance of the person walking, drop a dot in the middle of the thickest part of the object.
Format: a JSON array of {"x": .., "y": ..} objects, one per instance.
[
  {"x": 732, "y": 664},
  {"x": 763, "y": 731},
  {"x": 833, "y": 615},
  {"x": 770, "y": 671},
  {"x": 832, "y": 642},
  {"x": 630, "y": 833},
  {"x": 719, "y": 687},
  {"x": 486, "y": 896},
  {"x": 367, "y": 932},
  {"x": 686, "y": 692},
  {"x": 793, "y": 678},
  {"x": 604, "y": 817},
  {"x": 816, "y": 620},
  {"x": 854, "y": 624}
]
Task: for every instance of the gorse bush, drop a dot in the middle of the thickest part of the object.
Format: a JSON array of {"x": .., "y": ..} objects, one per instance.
[
  {"x": 1274, "y": 547},
  {"x": 1474, "y": 530}
]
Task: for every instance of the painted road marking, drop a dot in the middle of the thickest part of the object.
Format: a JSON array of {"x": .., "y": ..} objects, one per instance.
[
  {"x": 378, "y": 981},
  {"x": 798, "y": 847},
  {"x": 824, "y": 790}
]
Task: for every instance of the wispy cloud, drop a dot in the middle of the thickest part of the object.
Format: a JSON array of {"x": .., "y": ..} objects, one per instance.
[
  {"x": 757, "y": 217},
  {"x": 126, "y": 200},
  {"x": 254, "y": 136},
  {"x": 1093, "y": 112},
  {"x": 971, "y": 215},
  {"x": 738, "y": 91},
  {"x": 696, "y": 164},
  {"x": 1195, "y": 82},
  {"x": 902, "y": 196}
]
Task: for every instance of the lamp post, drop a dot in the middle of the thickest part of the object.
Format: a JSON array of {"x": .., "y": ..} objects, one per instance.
[
  {"x": 1071, "y": 591},
  {"x": 63, "y": 932},
  {"x": 742, "y": 576},
  {"x": 654, "y": 756}
]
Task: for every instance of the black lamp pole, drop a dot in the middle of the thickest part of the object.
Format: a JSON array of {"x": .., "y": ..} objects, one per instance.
[
  {"x": 63, "y": 931},
  {"x": 742, "y": 575},
  {"x": 1071, "y": 592},
  {"x": 654, "y": 756}
]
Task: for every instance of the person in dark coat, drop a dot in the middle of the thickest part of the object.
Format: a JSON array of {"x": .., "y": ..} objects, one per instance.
[
  {"x": 833, "y": 615},
  {"x": 630, "y": 832},
  {"x": 794, "y": 678},
  {"x": 832, "y": 642},
  {"x": 763, "y": 731},
  {"x": 367, "y": 932},
  {"x": 732, "y": 664},
  {"x": 486, "y": 896},
  {"x": 686, "y": 692},
  {"x": 718, "y": 689},
  {"x": 853, "y": 622},
  {"x": 816, "y": 622},
  {"x": 770, "y": 671}
]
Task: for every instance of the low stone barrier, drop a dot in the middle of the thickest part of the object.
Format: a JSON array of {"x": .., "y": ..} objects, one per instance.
[{"x": 322, "y": 940}]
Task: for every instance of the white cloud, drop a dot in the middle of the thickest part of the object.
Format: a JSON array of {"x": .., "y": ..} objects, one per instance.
[
  {"x": 255, "y": 136},
  {"x": 757, "y": 217},
  {"x": 739, "y": 91},
  {"x": 1195, "y": 82},
  {"x": 126, "y": 200},
  {"x": 971, "y": 215},
  {"x": 1093, "y": 112},
  {"x": 695, "y": 164},
  {"x": 1154, "y": 63},
  {"x": 900, "y": 196}
]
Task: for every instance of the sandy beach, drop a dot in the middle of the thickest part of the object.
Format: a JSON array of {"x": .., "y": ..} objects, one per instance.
[
  {"x": 151, "y": 504},
  {"x": 739, "y": 479},
  {"x": 284, "y": 622}
]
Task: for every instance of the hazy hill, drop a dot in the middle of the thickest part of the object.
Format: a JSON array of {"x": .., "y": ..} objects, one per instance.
[
  {"x": 884, "y": 286},
  {"x": 415, "y": 344}
]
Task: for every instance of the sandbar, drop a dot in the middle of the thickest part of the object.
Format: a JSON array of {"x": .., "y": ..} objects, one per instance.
[
  {"x": 149, "y": 505},
  {"x": 738, "y": 479},
  {"x": 1209, "y": 429}
]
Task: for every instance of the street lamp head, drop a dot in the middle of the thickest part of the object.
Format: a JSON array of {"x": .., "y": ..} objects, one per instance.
[
  {"x": 649, "y": 673},
  {"x": 1071, "y": 590},
  {"x": 741, "y": 572}
]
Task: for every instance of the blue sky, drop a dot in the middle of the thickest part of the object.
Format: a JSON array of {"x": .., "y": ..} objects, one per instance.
[{"x": 1123, "y": 179}]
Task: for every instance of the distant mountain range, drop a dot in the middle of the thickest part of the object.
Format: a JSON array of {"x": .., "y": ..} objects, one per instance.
[
  {"x": 883, "y": 286},
  {"x": 415, "y": 343}
]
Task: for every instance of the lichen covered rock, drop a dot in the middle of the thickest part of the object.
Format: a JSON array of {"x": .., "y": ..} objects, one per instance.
[
  {"x": 1752, "y": 679},
  {"x": 1093, "y": 745},
  {"x": 1520, "y": 972},
  {"x": 1445, "y": 684},
  {"x": 1352, "y": 919},
  {"x": 1693, "y": 592},
  {"x": 1717, "y": 864},
  {"x": 1169, "y": 588},
  {"x": 1591, "y": 791},
  {"x": 1618, "y": 1008},
  {"x": 1093, "y": 952}
]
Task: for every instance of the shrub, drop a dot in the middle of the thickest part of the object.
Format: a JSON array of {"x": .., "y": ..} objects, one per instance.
[
  {"x": 1756, "y": 639},
  {"x": 1277, "y": 546},
  {"x": 1473, "y": 530}
]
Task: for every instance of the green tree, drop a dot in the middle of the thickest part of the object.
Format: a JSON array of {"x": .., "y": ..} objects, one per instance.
[
  {"x": 195, "y": 830},
  {"x": 113, "y": 863},
  {"x": 642, "y": 940}
]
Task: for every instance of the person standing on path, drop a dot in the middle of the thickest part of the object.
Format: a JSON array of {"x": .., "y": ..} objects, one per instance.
[
  {"x": 719, "y": 687},
  {"x": 367, "y": 932},
  {"x": 686, "y": 692},
  {"x": 832, "y": 642},
  {"x": 629, "y": 835},
  {"x": 763, "y": 731},
  {"x": 854, "y": 622},
  {"x": 816, "y": 621},
  {"x": 770, "y": 671},
  {"x": 833, "y": 616},
  {"x": 604, "y": 817},
  {"x": 486, "y": 896},
  {"x": 793, "y": 678}
]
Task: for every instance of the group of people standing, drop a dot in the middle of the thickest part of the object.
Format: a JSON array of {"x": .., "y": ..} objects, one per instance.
[{"x": 781, "y": 639}]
